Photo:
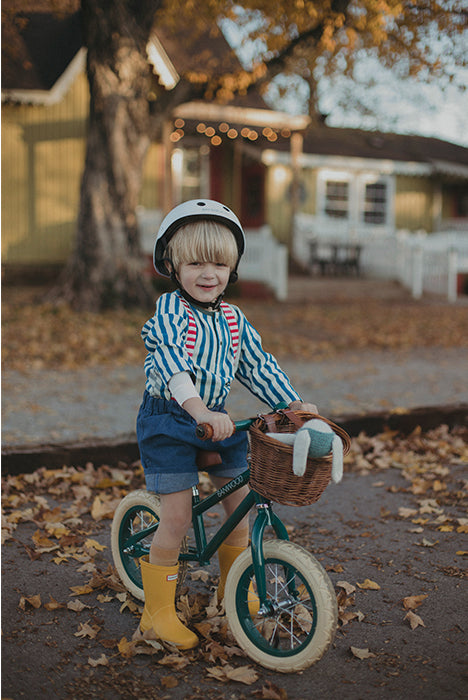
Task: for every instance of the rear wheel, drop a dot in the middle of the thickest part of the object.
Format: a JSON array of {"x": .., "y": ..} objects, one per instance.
[
  {"x": 135, "y": 521},
  {"x": 297, "y": 625}
]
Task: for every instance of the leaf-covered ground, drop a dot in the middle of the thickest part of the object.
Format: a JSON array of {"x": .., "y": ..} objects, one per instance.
[
  {"x": 395, "y": 553},
  {"x": 316, "y": 321}
]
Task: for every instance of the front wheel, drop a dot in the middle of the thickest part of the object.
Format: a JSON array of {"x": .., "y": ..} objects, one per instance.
[{"x": 297, "y": 625}]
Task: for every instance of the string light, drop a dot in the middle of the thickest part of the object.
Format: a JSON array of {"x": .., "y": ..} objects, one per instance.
[
  {"x": 246, "y": 132},
  {"x": 176, "y": 135}
]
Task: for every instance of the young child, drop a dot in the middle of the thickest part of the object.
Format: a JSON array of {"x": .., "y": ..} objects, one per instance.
[{"x": 197, "y": 345}]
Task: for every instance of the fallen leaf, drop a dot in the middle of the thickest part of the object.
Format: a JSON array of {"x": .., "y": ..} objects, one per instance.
[
  {"x": 104, "y": 598},
  {"x": 126, "y": 648},
  {"x": 361, "y": 653},
  {"x": 270, "y": 691},
  {"x": 81, "y": 590},
  {"x": 337, "y": 568},
  {"x": 102, "y": 509},
  {"x": 94, "y": 544},
  {"x": 40, "y": 540},
  {"x": 34, "y": 601},
  {"x": 53, "y": 604},
  {"x": 176, "y": 661},
  {"x": 243, "y": 674},
  {"x": 369, "y": 585},
  {"x": 348, "y": 587},
  {"x": 76, "y": 606},
  {"x": 426, "y": 543},
  {"x": 86, "y": 630},
  {"x": 102, "y": 661},
  {"x": 407, "y": 512},
  {"x": 169, "y": 682},
  {"x": 200, "y": 575},
  {"x": 413, "y": 601},
  {"x": 414, "y": 620}
]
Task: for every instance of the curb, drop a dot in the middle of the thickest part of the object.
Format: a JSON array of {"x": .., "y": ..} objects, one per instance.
[{"x": 26, "y": 459}]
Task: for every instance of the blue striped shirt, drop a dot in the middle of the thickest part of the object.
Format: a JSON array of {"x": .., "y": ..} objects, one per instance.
[{"x": 212, "y": 365}]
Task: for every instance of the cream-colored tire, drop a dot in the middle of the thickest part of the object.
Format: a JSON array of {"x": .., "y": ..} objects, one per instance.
[
  {"x": 302, "y": 615},
  {"x": 135, "y": 521}
]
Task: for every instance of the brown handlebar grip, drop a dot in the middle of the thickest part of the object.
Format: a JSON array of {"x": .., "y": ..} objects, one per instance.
[{"x": 204, "y": 431}]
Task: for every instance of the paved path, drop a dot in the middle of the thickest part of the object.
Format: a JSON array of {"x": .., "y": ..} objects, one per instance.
[{"x": 56, "y": 407}]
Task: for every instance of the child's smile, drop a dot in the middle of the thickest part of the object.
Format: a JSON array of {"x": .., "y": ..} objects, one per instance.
[{"x": 204, "y": 281}]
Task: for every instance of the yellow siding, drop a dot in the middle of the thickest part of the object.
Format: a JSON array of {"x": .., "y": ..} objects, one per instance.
[
  {"x": 278, "y": 201},
  {"x": 43, "y": 154},
  {"x": 413, "y": 203},
  {"x": 309, "y": 190},
  {"x": 152, "y": 192}
]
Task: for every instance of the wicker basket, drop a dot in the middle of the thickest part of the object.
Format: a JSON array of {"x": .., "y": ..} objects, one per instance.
[{"x": 271, "y": 473}]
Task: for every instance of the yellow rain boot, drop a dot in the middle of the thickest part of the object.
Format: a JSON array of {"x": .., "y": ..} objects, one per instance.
[
  {"x": 227, "y": 554},
  {"x": 159, "y": 617}
]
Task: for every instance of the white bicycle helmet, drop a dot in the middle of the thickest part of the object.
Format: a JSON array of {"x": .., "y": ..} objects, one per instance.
[{"x": 188, "y": 212}]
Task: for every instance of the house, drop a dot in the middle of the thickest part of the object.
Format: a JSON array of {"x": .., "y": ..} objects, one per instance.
[{"x": 272, "y": 168}]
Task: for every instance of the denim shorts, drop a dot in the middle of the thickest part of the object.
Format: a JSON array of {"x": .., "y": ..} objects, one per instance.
[{"x": 168, "y": 447}]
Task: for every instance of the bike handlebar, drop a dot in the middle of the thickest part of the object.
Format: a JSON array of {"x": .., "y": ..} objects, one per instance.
[{"x": 204, "y": 431}]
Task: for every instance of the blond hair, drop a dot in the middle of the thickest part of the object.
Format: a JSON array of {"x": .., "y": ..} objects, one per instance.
[{"x": 202, "y": 241}]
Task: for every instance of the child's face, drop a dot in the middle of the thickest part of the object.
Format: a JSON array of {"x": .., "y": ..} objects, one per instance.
[{"x": 204, "y": 281}]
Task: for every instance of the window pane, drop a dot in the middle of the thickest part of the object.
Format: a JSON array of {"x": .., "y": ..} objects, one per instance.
[
  {"x": 336, "y": 199},
  {"x": 375, "y": 204}
]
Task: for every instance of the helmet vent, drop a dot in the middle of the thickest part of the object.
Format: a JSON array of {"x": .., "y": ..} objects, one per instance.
[{"x": 201, "y": 204}]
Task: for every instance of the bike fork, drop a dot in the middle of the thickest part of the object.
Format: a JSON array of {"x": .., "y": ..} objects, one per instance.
[{"x": 265, "y": 517}]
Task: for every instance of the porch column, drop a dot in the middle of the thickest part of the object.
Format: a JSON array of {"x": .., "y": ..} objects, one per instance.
[
  {"x": 296, "y": 151},
  {"x": 168, "y": 196},
  {"x": 237, "y": 178}
]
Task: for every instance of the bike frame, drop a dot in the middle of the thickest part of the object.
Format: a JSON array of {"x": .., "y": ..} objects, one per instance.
[{"x": 204, "y": 550}]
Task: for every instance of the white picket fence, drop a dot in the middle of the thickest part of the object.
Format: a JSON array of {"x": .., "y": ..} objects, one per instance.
[
  {"x": 265, "y": 260},
  {"x": 421, "y": 262}
]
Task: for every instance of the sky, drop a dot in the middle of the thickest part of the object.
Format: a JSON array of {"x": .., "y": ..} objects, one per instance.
[
  {"x": 390, "y": 105},
  {"x": 387, "y": 104}
]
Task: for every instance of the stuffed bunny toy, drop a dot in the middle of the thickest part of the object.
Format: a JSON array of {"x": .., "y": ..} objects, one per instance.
[{"x": 314, "y": 439}]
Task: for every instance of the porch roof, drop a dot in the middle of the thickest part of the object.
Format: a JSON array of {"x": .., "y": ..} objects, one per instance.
[
  {"x": 398, "y": 153},
  {"x": 45, "y": 53}
]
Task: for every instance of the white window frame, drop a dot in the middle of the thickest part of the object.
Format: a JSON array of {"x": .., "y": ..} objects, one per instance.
[
  {"x": 362, "y": 181},
  {"x": 357, "y": 183}
]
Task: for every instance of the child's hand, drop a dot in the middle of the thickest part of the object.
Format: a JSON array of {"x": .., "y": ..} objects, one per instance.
[
  {"x": 307, "y": 407},
  {"x": 222, "y": 425}
]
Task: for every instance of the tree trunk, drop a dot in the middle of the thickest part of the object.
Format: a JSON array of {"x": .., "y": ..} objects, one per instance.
[{"x": 106, "y": 267}]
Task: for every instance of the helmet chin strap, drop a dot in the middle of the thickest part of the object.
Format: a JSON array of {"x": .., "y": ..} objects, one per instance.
[{"x": 209, "y": 305}]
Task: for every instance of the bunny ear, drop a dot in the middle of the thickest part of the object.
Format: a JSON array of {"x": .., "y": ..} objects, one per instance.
[
  {"x": 301, "y": 450},
  {"x": 337, "y": 461},
  {"x": 287, "y": 438}
]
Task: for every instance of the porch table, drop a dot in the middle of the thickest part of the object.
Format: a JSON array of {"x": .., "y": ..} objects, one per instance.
[{"x": 335, "y": 257}]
